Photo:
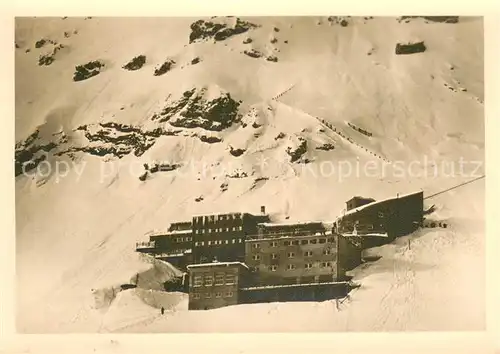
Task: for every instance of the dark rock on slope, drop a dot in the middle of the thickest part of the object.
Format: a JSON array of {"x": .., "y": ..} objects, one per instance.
[
  {"x": 441, "y": 19},
  {"x": 253, "y": 53},
  {"x": 203, "y": 30},
  {"x": 136, "y": 63},
  {"x": 326, "y": 147},
  {"x": 410, "y": 48},
  {"x": 192, "y": 110},
  {"x": 28, "y": 155},
  {"x": 236, "y": 152},
  {"x": 296, "y": 153},
  {"x": 164, "y": 68},
  {"x": 86, "y": 71}
]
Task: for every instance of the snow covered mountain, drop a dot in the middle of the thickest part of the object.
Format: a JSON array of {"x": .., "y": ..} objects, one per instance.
[{"x": 243, "y": 112}]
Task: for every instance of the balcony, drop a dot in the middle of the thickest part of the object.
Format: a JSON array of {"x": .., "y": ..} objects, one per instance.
[
  {"x": 142, "y": 246},
  {"x": 173, "y": 253}
]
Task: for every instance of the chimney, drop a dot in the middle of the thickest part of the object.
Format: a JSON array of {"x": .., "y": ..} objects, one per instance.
[{"x": 263, "y": 209}]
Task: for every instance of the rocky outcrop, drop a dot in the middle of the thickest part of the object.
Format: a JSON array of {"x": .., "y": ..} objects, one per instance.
[
  {"x": 40, "y": 43},
  {"x": 326, "y": 147},
  {"x": 136, "y": 63},
  {"x": 116, "y": 139},
  {"x": 210, "y": 139},
  {"x": 164, "y": 68},
  {"x": 410, "y": 48},
  {"x": 49, "y": 58},
  {"x": 86, "y": 71},
  {"x": 253, "y": 53},
  {"x": 281, "y": 135},
  {"x": 28, "y": 155},
  {"x": 193, "y": 110},
  {"x": 203, "y": 30},
  {"x": 441, "y": 19},
  {"x": 236, "y": 152},
  {"x": 272, "y": 58},
  {"x": 195, "y": 61},
  {"x": 296, "y": 153},
  {"x": 339, "y": 20}
]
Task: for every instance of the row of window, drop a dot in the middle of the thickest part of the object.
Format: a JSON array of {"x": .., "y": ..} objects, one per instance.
[
  {"x": 219, "y": 229},
  {"x": 184, "y": 239},
  {"x": 208, "y": 218},
  {"x": 218, "y": 242},
  {"x": 326, "y": 252},
  {"x": 197, "y": 296},
  {"x": 307, "y": 266},
  {"x": 313, "y": 241},
  {"x": 208, "y": 279}
]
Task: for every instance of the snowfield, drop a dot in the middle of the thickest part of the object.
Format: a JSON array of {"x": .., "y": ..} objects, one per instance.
[{"x": 76, "y": 230}]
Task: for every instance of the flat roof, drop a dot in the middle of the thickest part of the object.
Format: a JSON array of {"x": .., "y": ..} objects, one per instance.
[
  {"x": 373, "y": 234},
  {"x": 272, "y": 224},
  {"x": 294, "y": 285},
  {"x": 216, "y": 264},
  {"x": 355, "y": 210}
]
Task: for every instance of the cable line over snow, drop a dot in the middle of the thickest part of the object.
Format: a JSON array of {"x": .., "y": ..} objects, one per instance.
[{"x": 455, "y": 187}]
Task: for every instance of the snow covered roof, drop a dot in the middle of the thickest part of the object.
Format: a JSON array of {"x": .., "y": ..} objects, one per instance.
[
  {"x": 294, "y": 285},
  {"x": 180, "y": 232},
  {"x": 271, "y": 224},
  {"x": 168, "y": 233},
  {"x": 366, "y": 235},
  {"x": 355, "y": 210},
  {"x": 220, "y": 213},
  {"x": 216, "y": 264}
]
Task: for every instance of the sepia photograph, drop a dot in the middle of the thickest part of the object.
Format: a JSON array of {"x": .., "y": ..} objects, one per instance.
[{"x": 249, "y": 174}]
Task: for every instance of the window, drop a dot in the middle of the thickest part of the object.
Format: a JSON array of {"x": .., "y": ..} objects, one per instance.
[
  {"x": 370, "y": 227},
  {"x": 380, "y": 214},
  {"x": 196, "y": 243},
  {"x": 240, "y": 228},
  {"x": 274, "y": 256},
  {"x": 322, "y": 240},
  {"x": 274, "y": 244},
  {"x": 229, "y": 294},
  {"x": 303, "y": 242},
  {"x": 209, "y": 280},
  {"x": 208, "y": 295},
  {"x": 256, "y": 245},
  {"x": 291, "y": 254},
  {"x": 254, "y": 269},
  {"x": 230, "y": 279},
  {"x": 313, "y": 241},
  {"x": 273, "y": 268},
  {"x": 241, "y": 240},
  {"x": 286, "y": 243},
  {"x": 295, "y": 243},
  {"x": 227, "y": 242},
  {"x": 290, "y": 267},
  {"x": 308, "y": 254},
  {"x": 233, "y": 241},
  {"x": 202, "y": 243},
  {"x": 327, "y": 252},
  {"x": 308, "y": 265},
  {"x": 209, "y": 230},
  {"x": 256, "y": 257},
  {"x": 326, "y": 264},
  {"x": 219, "y": 279},
  {"x": 197, "y": 281},
  {"x": 209, "y": 243},
  {"x": 218, "y": 294},
  {"x": 196, "y": 296},
  {"x": 331, "y": 240}
]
